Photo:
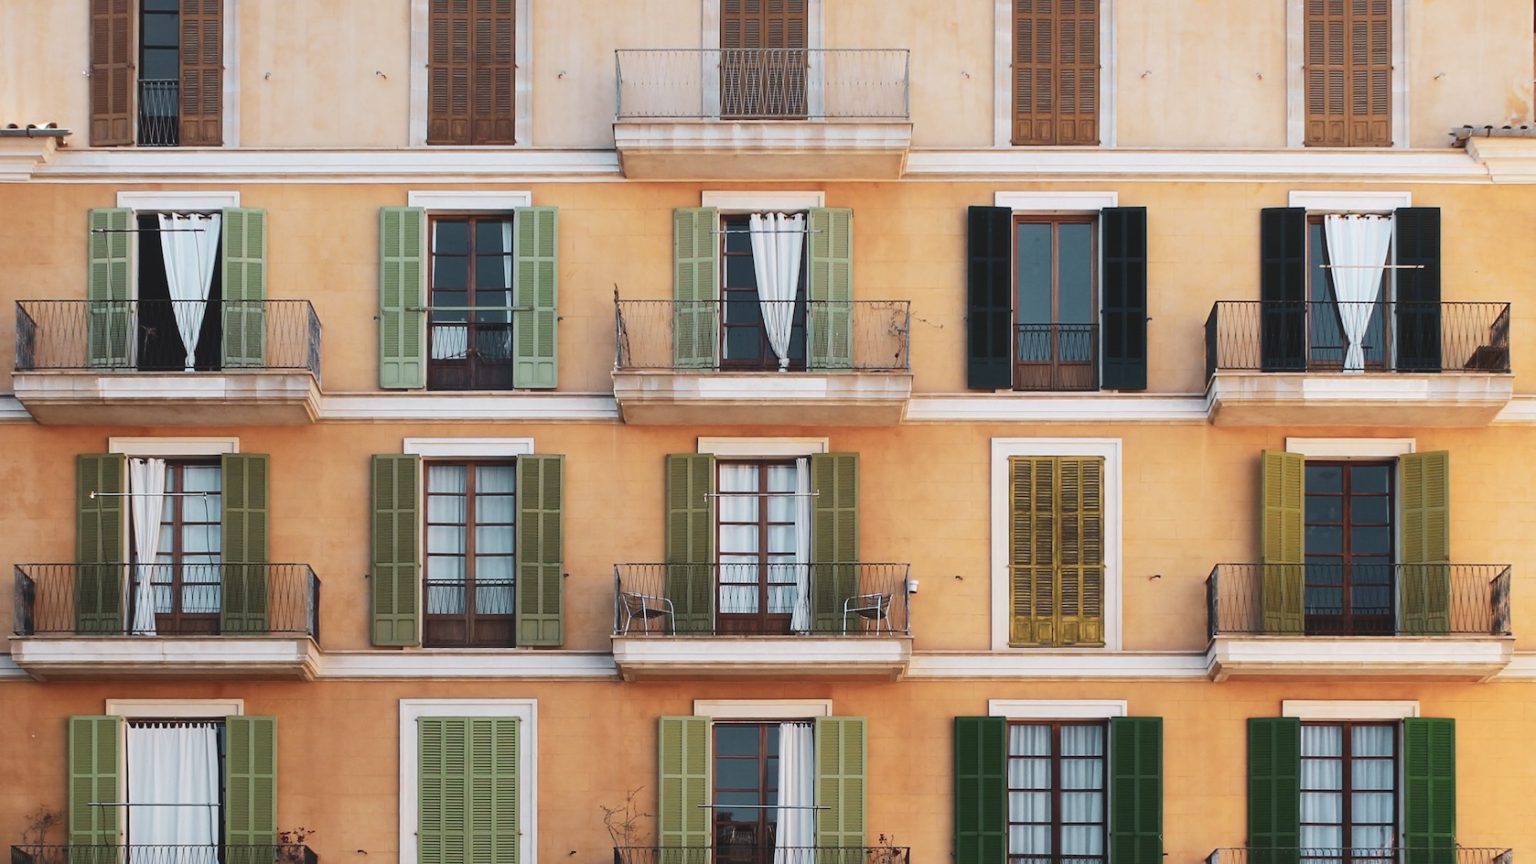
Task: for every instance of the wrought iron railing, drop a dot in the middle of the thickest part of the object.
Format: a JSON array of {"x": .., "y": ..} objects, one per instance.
[
  {"x": 1056, "y": 357},
  {"x": 159, "y": 112},
  {"x": 824, "y": 335},
  {"x": 1364, "y": 599},
  {"x": 763, "y": 83},
  {"x": 1393, "y": 855},
  {"x": 188, "y": 599},
  {"x": 163, "y": 854},
  {"x": 761, "y": 599},
  {"x": 767, "y": 854},
  {"x": 470, "y": 350}
]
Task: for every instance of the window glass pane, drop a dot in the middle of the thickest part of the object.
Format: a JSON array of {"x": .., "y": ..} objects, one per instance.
[
  {"x": 737, "y": 238},
  {"x": 1369, "y": 478},
  {"x": 492, "y": 273},
  {"x": 161, "y": 5},
  {"x": 160, "y": 30},
  {"x": 499, "y": 479},
  {"x": 446, "y": 508},
  {"x": 1370, "y": 541},
  {"x": 445, "y": 539},
  {"x": 736, "y": 773},
  {"x": 1325, "y": 478},
  {"x": 1025, "y": 740},
  {"x": 1321, "y": 288},
  {"x": 736, "y": 740},
  {"x": 493, "y": 236},
  {"x": 739, "y": 271},
  {"x": 1323, "y": 538},
  {"x": 450, "y": 236},
  {"x": 1368, "y": 741},
  {"x": 1076, "y": 274},
  {"x": 1371, "y": 509},
  {"x": 1322, "y": 741},
  {"x": 1325, "y": 508},
  {"x": 1034, "y": 273},
  {"x": 495, "y": 539},
  {"x": 449, "y": 273}
]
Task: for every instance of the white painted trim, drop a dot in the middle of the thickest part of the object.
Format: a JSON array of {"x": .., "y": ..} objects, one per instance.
[
  {"x": 1056, "y": 408},
  {"x": 1109, "y": 448},
  {"x": 472, "y": 448},
  {"x": 1002, "y": 74},
  {"x": 173, "y": 446},
  {"x": 230, "y": 77},
  {"x": 1057, "y": 709},
  {"x": 762, "y": 709},
  {"x": 758, "y": 202},
  {"x": 754, "y": 448},
  {"x": 416, "y": 77},
  {"x": 431, "y": 664},
  {"x": 443, "y": 407},
  {"x": 1295, "y": 74},
  {"x": 140, "y": 708},
  {"x": 1350, "y": 202},
  {"x": 178, "y": 201},
  {"x": 1350, "y": 448},
  {"x": 479, "y": 202},
  {"x": 522, "y": 76},
  {"x": 1057, "y": 665},
  {"x": 1056, "y": 202},
  {"x": 1349, "y": 709},
  {"x": 524, "y": 710}
]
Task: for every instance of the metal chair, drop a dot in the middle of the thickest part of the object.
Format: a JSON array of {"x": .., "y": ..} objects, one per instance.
[
  {"x": 644, "y": 607},
  {"x": 871, "y": 607}
]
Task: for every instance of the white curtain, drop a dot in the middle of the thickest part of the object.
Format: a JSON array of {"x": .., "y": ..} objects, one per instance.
[
  {"x": 175, "y": 764},
  {"x": 1357, "y": 250},
  {"x": 800, "y": 621},
  {"x": 776, "y": 243},
  {"x": 739, "y": 549},
  {"x": 797, "y": 793},
  {"x": 1080, "y": 764},
  {"x": 188, "y": 243},
  {"x": 447, "y": 543},
  {"x": 146, "y": 489}
]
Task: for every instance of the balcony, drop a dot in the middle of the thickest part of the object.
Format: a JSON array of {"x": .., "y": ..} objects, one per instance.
[
  {"x": 159, "y": 112},
  {"x": 843, "y": 620},
  {"x": 1414, "y": 364},
  {"x": 1056, "y": 358},
  {"x": 111, "y": 362},
  {"x": 230, "y": 620},
  {"x": 1364, "y": 620},
  {"x": 710, "y": 362},
  {"x": 766, "y": 854},
  {"x": 1393, "y": 855},
  {"x": 828, "y": 114},
  {"x": 144, "y": 854}
]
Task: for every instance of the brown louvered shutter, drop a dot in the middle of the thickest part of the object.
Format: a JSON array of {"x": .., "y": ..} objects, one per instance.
[
  {"x": 448, "y": 72},
  {"x": 202, "y": 73},
  {"x": 763, "y": 24},
  {"x": 763, "y": 58},
  {"x": 1370, "y": 71},
  {"x": 492, "y": 74},
  {"x": 1348, "y": 73},
  {"x": 471, "y": 70},
  {"x": 111, "y": 72},
  {"x": 1055, "y": 72}
]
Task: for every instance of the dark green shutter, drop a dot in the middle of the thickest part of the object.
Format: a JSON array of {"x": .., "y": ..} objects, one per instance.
[
  {"x": 95, "y": 746},
  {"x": 540, "y": 550},
  {"x": 99, "y": 547},
  {"x": 691, "y": 541},
  {"x": 834, "y": 537},
  {"x": 402, "y": 296},
  {"x": 829, "y": 328},
  {"x": 396, "y": 573},
  {"x": 244, "y": 281},
  {"x": 1282, "y": 482},
  {"x": 841, "y": 763},
  {"x": 1135, "y": 790},
  {"x": 1283, "y": 289},
  {"x": 1417, "y": 247},
  {"x": 989, "y": 298},
  {"x": 682, "y": 785},
  {"x": 109, "y": 288},
  {"x": 1429, "y": 790},
  {"x": 695, "y": 288},
  {"x": 250, "y": 781},
  {"x": 1274, "y": 790},
  {"x": 467, "y": 790},
  {"x": 981, "y": 790},
  {"x": 1424, "y": 574},
  {"x": 243, "y": 548},
  {"x": 1124, "y": 286},
  {"x": 536, "y": 324}
]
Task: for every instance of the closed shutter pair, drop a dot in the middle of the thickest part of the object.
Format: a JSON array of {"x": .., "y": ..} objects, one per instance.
[
  {"x": 468, "y": 788},
  {"x": 200, "y": 84},
  {"x": 1135, "y": 790},
  {"x": 1348, "y": 73},
  {"x": 396, "y": 560},
  {"x": 1056, "y": 550},
  {"x": 1055, "y": 72},
  {"x": 471, "y": 71}
]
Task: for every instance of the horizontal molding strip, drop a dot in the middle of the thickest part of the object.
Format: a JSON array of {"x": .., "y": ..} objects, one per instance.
[
  {"x": 373, "y": 166},
  {"x": 1115, "y": 163},
  {"x": 1057, "y": 408},
  {"x": 448, "y": 407}
]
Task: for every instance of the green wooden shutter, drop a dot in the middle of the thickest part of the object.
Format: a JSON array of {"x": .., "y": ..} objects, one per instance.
[
  {"x": 1274, "y": 790},
  {"x": 981, "y": 790},
  {"x": 829, "y": 326},
  {"x": 395, "y": 571},
  {"x": 989, "y": 298},
  {"x": 1282, "y": 484},
  {"x": 250, "y": 781},
  {"x": 467, "y": 790},
  {"x": 691, "y": 541},
  {"x": 841, "y": 761},
  {"x": 442, "y": 775},
  {"x": 99, "y": 547},
  {"x": 402, "y": 295},
  {"x": 695, "y": 288},
  {"x": 834, "y": 537},
  {"x": 1429, "y": 790},
  {"x": 243, "y": 547},
  {"x": 1424, "y": 577},
  {"x": 1135, "y": 790},
  {"x": 1416, "y": 245},
  {"x": 1123, "y": 231},
  {"x": 109, "y": 289},
  {"x": 244, "y": 275},
  {"x": 682, "y": 784},
  {"x": 1056, "y": 550},
  {"x": 540, "y": 550},
  {"x": 1283, "y": 289},
  {"x": 95, "y": 745},
  {"x": 536, "y": 324}
]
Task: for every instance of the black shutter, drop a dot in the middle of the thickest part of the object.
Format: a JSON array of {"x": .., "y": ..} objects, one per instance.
[
  {"x": 1125, "y": 298},
  {"x": 989, "y": 298},
  {"x": 1418, "y": 290},
  {"x": 1283, "y": 289}
]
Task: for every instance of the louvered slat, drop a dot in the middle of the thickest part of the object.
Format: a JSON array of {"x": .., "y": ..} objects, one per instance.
[{"x": 202, "y": 73}]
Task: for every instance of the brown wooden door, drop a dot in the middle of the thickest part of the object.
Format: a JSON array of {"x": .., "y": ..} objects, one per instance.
[
  {"x": 469, "y": 331},
  {"x": 186, "y": 575},
  {"x": 470, "y": 554},
  {"x": 755, "y": 588},
  {"x": 746, "y": 781},
  {"x": 763, "y": 59},
  {"x": 1349, "y": 540}
]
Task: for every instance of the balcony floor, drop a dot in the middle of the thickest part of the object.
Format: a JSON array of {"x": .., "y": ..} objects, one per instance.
[
  {"x": 659, "y": 656},
  {"x": 73, "y": 657},
  {"x": 802, "y": 398},
  {"x": 1452, "y": 657},
  {"x": 1251, "y": 398},
  {"x": 668, "y": 149},
  {"x": 255, "y": 397}
]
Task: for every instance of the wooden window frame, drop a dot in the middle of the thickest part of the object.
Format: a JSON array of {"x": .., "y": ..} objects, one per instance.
[
  {"x": 470, "y": 525},
  {"x": 177, "y": 621},
  {"x": 762, "y": 850},
  {"x": 1055, "y": 790},
  {"x": 1346, "y": 623},
  {"x": 1056, "y": 365},
  {"x": 1346, "y": 789},
  {"x": 766, "y": 360},
  {"x": 474, "y": 369},
  {"x": 761, "y": 622}
]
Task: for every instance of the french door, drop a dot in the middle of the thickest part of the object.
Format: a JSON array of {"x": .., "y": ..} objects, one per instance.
[
  {"x": 1349, "y": 536},
  {"x": 469, "y": 330},
  {"x": 186, "y": 577},
  {"x": 746, "y": 792},
  {"x": 756, "y": 588},
  {"x": 471, "y": 535}
]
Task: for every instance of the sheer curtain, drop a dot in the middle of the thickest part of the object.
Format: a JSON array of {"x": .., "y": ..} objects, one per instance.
[
  {"x": 1357, "y": 248},
  {"x": 1080, "y": 765},
  {"x": 174, "y": 764},
  {"x": 776, "y": 243},
  {"x": 1322, "y": 787},
  {"x": 800, "y": 621},
  {"x": 495, "y": 535},
  {"x": 188, "y": 243},
  {"x": 447, "y": 511},
  {"x": 146, "y": 488},
  {"x": 797, "y": 793},
  {"x": 1082, "y": 792},
  {"x": 1029, "y": 808},
  {"x": 739, "y": 540}
]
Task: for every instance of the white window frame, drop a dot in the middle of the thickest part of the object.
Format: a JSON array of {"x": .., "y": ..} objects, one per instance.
[
  {"x": 762, "y": 448},
  {"x": 762, "y": 709},
  {"x": 1110, "y": 449},
  {"x": 1351, "y": 448},
  {"x": 1326, "y": 201},
  {"x": 1349, "y": 709},
  {"x": 472, "y": 202},
  {"x": 709, "y": 40},
  {"x": 1057, "y": 709},
  {"x": 1295, "y": 74},
  {"x": 524, "y": 710},
  {"x": 522, "y": 77},
  {"x": 467, "y": 448},
  {"x": 1002, "y": 75},
  {"x": 173, "y": 447},
  {"x": 144, "y": 708},
  {"x": 762, "y": 201}
]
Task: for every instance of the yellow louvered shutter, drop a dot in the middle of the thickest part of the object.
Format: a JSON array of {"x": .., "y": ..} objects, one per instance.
[
  {"x": 1056, "y": 550},
  {"x": 1282, "y": 523}
]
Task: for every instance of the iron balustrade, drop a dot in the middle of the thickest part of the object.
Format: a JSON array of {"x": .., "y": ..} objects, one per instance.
[
  {"x": 762, "y": 854},
  {"x": 838, "y": 336},
  {"x": 1392, "y": 855},
  {"x": 163, "y": 854},
  {"x": 159, "y": 112},
  {"x": 1364, "y": 599},
  {"x": 1056, "y": 357},
  {"x": 763, "y": 84},
  {"x": 472, "y": 349}
]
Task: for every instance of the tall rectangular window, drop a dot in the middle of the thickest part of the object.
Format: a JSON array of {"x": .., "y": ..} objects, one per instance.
[
  {"x": 1349, "y": 545},
  {"x": 1056, "y": 550},
  {"x": 1348, "y": 793},
  {"x": 744, "y": 339},
  {"x": 471, "y": 298},
  {"x": 471, "y": 72},
  {"x": 470, "y": 554},
  {"x": 1055, "y": 72},
  {"x": 186, "y": 577},
  {"x": 746, "y": 780},
  {"x": 157, "y": 69},
  {"x": 759, "y": 569},
  {"x": 1348, "y": 73},
  {"x": 763, "y": 59},
  {"x": 1056, "y": 793},
  {"x": 1056, "y": 309}
]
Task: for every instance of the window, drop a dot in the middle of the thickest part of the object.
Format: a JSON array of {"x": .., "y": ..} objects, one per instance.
[
  {"x": 1328, "y": 340},
  {"x": 168, "y": 89},
  {"x": 744, "y": 333},
  {"x": 1056, "y": 793},
  {"x": 746, "y": 788},
  {"x": 763, "y": 59},
  {"x": 471, "y": 547},
  {"x": 471, "y": 72},
  {"x": 1055, "y": 72},
  {"x": 1349, "y": 548},
  {"x": 1348, "y": 73},
  {"x": 758, "y": 544},
  {"x": 187, "y": 580},
  {"x": 1348, "y": 792},
  {"x": 1056, "y": 537},
  {"x": 470, "y": 292},
  {"x": 161, "y": 345},
  {"x": 1056, "y": 344}
]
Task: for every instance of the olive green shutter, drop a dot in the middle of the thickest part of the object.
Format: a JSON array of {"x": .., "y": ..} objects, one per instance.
[
  {"x": 1424, "y": 579},
  {"x": 682, "y": 785},
  {"x": 1429, "y": 790},
  {"x": 395, "y": 571},
  {"x": 695, "y": 288},
  {"x": 467, "y": 790},
  {"x": 834, "y": 537},
  {"x": 109, "y": 289},
  {"x": 540, "y": 550},
  {"x": 829, "y": 327},
  {"x": 1056, "y": 550},
  {"x": 243, "y": 547},
  {"x": 691, "y": 541},
  {"x": 536, "y": 323},
  {"x": 981, "y": 790},
  {"x": 95, "y": 745},
  {"x": 402, "y": 296},
  {"x": 841, "y": 758},
  {"x": 1274, "y": 789},
  {"x": 99, "y": 547},
  {"x": 1282, "y": 485},
  {"x": 1135, "y": 790},
  {"x": 244, "y": 275},
  {"x": 250, "y": 781}
]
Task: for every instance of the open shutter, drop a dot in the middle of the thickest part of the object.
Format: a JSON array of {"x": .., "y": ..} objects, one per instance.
[
  {"x": 109, "y": 288},
  {"x": 395, "y": 570},
  {"x": 691, "y": 541},
  {"x": 695, "y": 288},
  {"x": 682, "y": 785},
  {"x": 1274, "y": 790},
  {"x": 448, "y": 72},
  {"x": 535, "y": 346},
  {"x": 202, "y": 73},
  {"x": 1283, "y": 289},
  {"x": 834, "y": 537},
  {"x": 1282, "y": 484},
  {"x": 1135, "y": 790},
  {"x": 1424, "y": 577},
  {"x": 467, "y": 789},
  {"x": 99, "y": 547},
  {"x": 112, "y": 75},
  {"x": 492, "y": 72},
  {"x": 244, "y": 280},
  {"x": 829, "y": 329},
  {"x": 1417, "y": 244},
  {"x": 981, "y": 790},
  {"x": 1124, "y": 284},
  {"x": 95, "y": 745},
  {"x": 989, "y": 298},
  {"x": 841, "y": 758},
  {"x": 540, "y": 550},
  {"x": 1429, "y": 790},
  {"x": 402, "y": 296},
  {"x": 243, "y": 553},
  {"x": 250, "y": 781}
]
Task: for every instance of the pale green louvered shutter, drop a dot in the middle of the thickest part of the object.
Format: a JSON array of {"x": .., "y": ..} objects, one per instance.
[
  {"x": 99, "y": 547},
  {"x": 682, "y": 785},
  {"x": 402, "y": 296},
  {"x": 841, "y": 761},
  {"x": 395, "y": 571},
  {"x": 1424, "y": 579},
  {"x": 540, "y": 550},
  {"x": 109, "y": 289},
  {"x": 468, "y": 790},
  {"x": 834, "y": 537},
  {"x": 244, "y": 279},
  {"x": 691, "y": 541},
  {"x": 250, "y": 783},
  {"x": 1282, "y": 493},
  {"x": 829, "y": 328},
  {"x": 536, "y": 324},
  {"x": 243, "y": 548},
  {"x": 95, "y": 746},
  {"x": 695, "y": 288},
  {"x": 1429, "y": 790}
]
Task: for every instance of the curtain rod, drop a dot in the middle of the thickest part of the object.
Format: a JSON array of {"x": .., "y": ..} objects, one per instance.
[
  {"x": 1370, "y": 266},
  {"x": 764, "y": 806},
  {"x": 95, "y": 494},
  {"x": 762, "y": 494},
  {"x": 146, "y": 804}
]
